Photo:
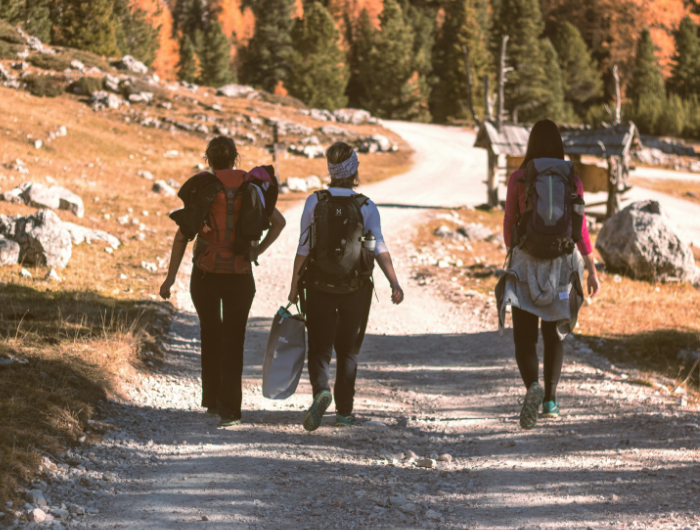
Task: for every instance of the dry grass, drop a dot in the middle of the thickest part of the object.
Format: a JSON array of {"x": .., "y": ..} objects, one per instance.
[
  {"x": 634, "y": 322},
  {"x": 683, "y": 189},
  {"x": 84, "y": 336}
]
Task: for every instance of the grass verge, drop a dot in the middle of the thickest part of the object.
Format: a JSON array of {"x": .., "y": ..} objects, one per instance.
[{"x": 683, "y": 189}]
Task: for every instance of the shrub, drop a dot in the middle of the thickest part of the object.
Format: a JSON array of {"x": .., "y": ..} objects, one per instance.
[
  {"x": 86, "y": 85},
  {"x": 47, "y": 61},
  {"x": 597, "y": 115},
  {"x": 286, "y": 101},
  {"x": 10, "y": 34},
  {"x": 673, "y": 117},
  {"x": 44, "y": 86},
  {"x": 89, "y": 59},
  {"x": 692, "y": 117},
  {"x": 8, "y": 52}
]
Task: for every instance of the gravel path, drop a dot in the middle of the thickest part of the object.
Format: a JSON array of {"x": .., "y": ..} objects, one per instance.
[{"x": 441, "y": 388}]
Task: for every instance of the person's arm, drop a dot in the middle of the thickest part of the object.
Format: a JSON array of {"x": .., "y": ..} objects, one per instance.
[
  {"x": 385, "y": 263},
  {"x": 294, "y": 290},
  {"x": 592, "y": 282},
  {"x": 277, "y": 223},
  {"x": 511, "y": 209},
  {"x": 178, "y": 252}
]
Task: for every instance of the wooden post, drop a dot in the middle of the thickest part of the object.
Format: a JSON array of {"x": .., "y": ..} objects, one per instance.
[
  {"x": 613, "y": 205},
  {"x": 501, "y": 83},
  {"x": 487, "y": 100},
  {"x": 618, "y": 98},
  {"x": 491, "y": 183},
  {"x": 275, "y": 142},
  {"x": 470, "y": 84}
]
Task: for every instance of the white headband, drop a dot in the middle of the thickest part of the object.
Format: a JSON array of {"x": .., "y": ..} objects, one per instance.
[{"x": 345, "y": 169}]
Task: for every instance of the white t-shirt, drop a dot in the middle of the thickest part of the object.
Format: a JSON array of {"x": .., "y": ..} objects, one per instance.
[{"x": 370, "y": 214}]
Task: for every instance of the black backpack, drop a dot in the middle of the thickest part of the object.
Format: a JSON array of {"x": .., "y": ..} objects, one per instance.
[
  {"x": 337, "y": 262},
  {"x": 552, "y": 221},
  {"x": 252, "y": 221}
]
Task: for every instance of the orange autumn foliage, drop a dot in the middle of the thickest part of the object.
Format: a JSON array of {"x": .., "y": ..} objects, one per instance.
[
  {"x": 168, "y": 54},
  {"x": 238, "y": 24}
]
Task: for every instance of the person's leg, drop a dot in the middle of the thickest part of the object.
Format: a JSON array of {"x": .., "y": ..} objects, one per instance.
[
  {"x": 238, "y": 294},
  {"x": 207, "y": 302},
  {"x": 553, "y": 359},
  {"x": 525, "y": 336},
  {"x": 352, "y": 321},
  {"x": 321, "y": 316}
]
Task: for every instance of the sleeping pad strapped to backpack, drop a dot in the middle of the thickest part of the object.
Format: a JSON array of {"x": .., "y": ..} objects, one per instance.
[
  {"x": 550, "y": 225},
  {"x": 337, "y": 261},
  {"x": 237, "y": 206}
]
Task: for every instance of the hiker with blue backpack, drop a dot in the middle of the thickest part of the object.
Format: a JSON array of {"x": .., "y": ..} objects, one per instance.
[
  {"x": 341, "y": 237},
  {"x": 227, "y": 210},
  {"x": 549, "y": 246}
]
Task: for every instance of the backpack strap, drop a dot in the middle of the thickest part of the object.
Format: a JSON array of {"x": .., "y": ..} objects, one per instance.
[
  {"x": 230, "y": 200},
  {"x": 323, "y": 195},
  {"x": 360, "y": 199}
]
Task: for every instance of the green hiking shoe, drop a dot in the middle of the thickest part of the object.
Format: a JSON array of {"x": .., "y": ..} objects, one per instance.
[
  {"x": 346, "y": 421},
  {"x": 314, "y": 416},
  {"x": 229, "y": 422},
  {"x": 550, "y": 409},
  {"x": 212, "y": 411},
  {"x": 531, "y": 406}
]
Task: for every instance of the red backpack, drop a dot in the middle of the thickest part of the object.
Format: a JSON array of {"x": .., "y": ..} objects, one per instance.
[{"x": 228, "y": 241}]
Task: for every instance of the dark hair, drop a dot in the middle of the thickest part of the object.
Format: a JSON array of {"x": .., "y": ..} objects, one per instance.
[
  {"x": 221, "y": 153},
  {"x": 337, "y": 153},
  {"x": 544, "y": 142}
]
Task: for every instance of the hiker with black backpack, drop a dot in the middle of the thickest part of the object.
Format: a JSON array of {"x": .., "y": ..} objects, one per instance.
[
  {"x": 227, "y": 210},
  {"x": 548, "y": 247},
  {"x": 341, "y": 237}
]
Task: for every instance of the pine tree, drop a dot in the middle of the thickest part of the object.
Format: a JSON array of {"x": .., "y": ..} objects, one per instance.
[
  {"x": 136, "y": 36},
  {"x": 10, "y": 10},
  {"x": 269, "y": 53},
  {"x": 645, "y": 91},
  {"x": 393, "y": 88},
  {"x": 685, "y": 71},
  {"x": 360, "y": 38},
  {"x": 36, "y": 15},
  {"x": 526, "y": 87},
  {"x": 188, "y": 18},
  {"x": 582, "y": 82},
  {"x": 556, "y": 108},
  {"x": 188, "y": 65},
  {"x": 318, "y": 73},
  {"x": 88, "y": 26},
  {"x": 421, "y": 20},
  {"x": 459, "y": 30},
  {"x": 215, "y": 58}
]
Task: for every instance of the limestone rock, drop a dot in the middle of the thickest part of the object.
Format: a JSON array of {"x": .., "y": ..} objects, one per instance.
[
  {"x": 321, "y": 115},
  {"x": 129, "y": 63},
  {"x": 9, "y": 252},
  {"x": 445, "y": 457},
  {"x": 475, "y": 232},
  {"x": 105, "y": 100},
  {"x": 377, "y": 143},
  {"x": 55, "y": 197},
  {"x": 640, "y": 242},
  {"x": 37, "y": 515},
  {"x": 353, "y": 116},
  {"x": 163, "y": 188},
  {"x": 297, "y": 184},
  {"x": 43, "y": 240},
  {"x": 36, "y": 497},
  {"x": 81, "y": 234},
  {"x": 428, "y": 463},
  {"x": 235, "y": 91}
]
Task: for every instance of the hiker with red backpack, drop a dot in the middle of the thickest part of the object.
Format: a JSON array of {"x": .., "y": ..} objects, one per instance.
[
  {"x": 341, "y": 237},
  {"x": 226, "y": 210},
  {"x": 548, "y": 247}
]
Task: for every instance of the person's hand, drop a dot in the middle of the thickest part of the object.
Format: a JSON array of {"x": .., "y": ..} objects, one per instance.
[
  {"x": 593, "y": 284},
  {"x": 165, "y": 288},
  {"x": 293, "y": 294},
  {"x": 396, "y": 294}
]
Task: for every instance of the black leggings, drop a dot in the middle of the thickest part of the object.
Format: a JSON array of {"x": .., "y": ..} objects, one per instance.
[
  {"x": 222, "y": 302},
  {"x": 525, "y": 334},
  {"x": 336, "y": 321}
]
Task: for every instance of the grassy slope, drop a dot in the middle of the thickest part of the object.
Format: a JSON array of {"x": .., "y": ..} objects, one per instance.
[{"x": 83, "y": 337}]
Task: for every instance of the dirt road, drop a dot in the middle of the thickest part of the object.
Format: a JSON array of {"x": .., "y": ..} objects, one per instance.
[{"x": 442, "y": 384}]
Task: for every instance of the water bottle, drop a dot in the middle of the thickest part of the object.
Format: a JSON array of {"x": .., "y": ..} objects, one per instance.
[
  {"x": 369, "y": 241},
  {"x": 577, "y": 208}
]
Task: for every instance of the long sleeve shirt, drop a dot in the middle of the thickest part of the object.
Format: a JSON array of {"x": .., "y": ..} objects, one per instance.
[{"x": 515, "y": 201}]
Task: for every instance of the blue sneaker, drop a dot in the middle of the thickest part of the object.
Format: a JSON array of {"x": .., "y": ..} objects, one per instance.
[
  {"x": 531, "y": 406},
  {"x": 314, "y": 416},
  {"x": 550, "y": 409}
]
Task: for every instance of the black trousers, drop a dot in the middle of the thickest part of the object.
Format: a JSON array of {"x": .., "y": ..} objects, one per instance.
[
  {"x": 525, "y": 332},
  {"x": 336, "y": 321},
  {"x": 222, "y": 302}
]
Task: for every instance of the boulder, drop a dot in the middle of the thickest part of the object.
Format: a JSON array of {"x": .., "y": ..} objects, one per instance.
[
  {"x": 163, "y": 188},
  {"x": 129, "y": 63},
  {"x": 321, "y": 115},
  {"x": 313, "y": 182},
  {"x": 639, "y": 241},
  {"x": 353, "y": 116},
  {"x": 297, "y": 184},
  {"x": 309, "y": 151},
  {"x": 235, "y": 91},
  {"x": 55, "y": 197},
  {"x": 141, "y": 97},
  {"x": 43, "y": 240},
  {"x": 81, "y": 234},
  {"x": 9, "y": 252},
  {"x": 285, "y": 127},
  {"x": 8, "y": 225},
  {"x": 475, "y": 232},
  {"x": 377, "y": 143},
  {"x": 102, "y": 99},
  {"x": 36, "y": 497},
  {"x": 111, "y": 83},
  {"x": 334, "y": 130}
]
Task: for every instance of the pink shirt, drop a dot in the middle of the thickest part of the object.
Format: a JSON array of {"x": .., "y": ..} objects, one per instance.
[{"x": 516, "y": 189}]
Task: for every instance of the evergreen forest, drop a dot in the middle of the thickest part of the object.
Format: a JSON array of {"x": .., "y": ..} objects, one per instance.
[{"x": 422, "y": 60}]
